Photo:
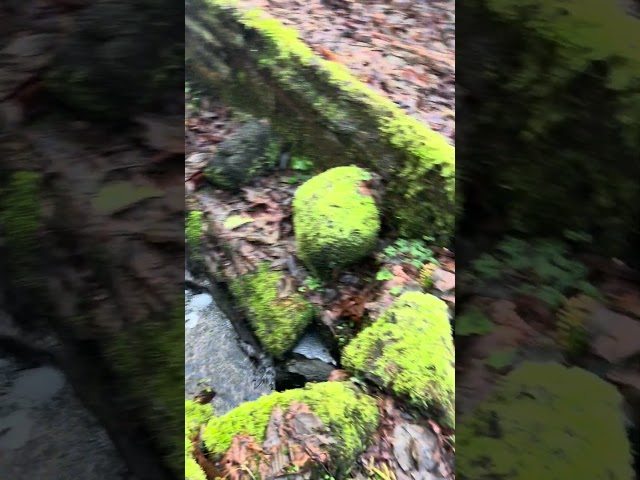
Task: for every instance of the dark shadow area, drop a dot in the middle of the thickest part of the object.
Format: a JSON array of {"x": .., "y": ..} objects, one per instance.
[
  {"x": 92, "y": 230},
  {"x": 547, "y": 320}
]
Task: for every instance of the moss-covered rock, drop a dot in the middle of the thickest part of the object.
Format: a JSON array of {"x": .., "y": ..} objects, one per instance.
[
  {"x": 260, "y": 65},
  {"x": 195, "y": 415},
  {"x": 247, "y": 153},
  {"x": 278, "y": 321},
  {"x": 336, "y": 223},
  {"x": 351, "y": 418},
  {"x": 546, "y": 421},
  {"x": 409, "y": 350}
]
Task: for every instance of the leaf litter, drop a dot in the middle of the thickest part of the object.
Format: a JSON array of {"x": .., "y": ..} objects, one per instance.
[{"x": 404, "y": 50}]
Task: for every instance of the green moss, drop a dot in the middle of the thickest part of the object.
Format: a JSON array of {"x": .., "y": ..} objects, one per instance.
[
  {"x": 350, "y": 416},
  {"x": 425, "y": 163},
  {"x": 546, "y": 421},
  {"x": 192, "y": 470},
  {"x": 409, "y": 350},
  {"x": 193, "y": 230},
  {"x": 335, "y": 224},
  {"x": 195, "y": 415},
  {"x": 20, "y": 219},
  {"x": 277, "y": 322}
]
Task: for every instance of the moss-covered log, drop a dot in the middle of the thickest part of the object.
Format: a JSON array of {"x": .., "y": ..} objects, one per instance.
[
  {"x": 551, "y": 94},
  {"x": 257, "y": 64}
]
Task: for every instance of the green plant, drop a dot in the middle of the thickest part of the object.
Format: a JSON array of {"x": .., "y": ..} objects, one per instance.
[
  {"x": 541, "y": 268},
  {"x": 311, "y": 283},
  {"x": 473, "y": 322},
  {"x": 414, "y": 252},
  {"x": 384, "y": 274},
  {"x": 301, "y": 164},
  {"x": 395, "y": 291}
]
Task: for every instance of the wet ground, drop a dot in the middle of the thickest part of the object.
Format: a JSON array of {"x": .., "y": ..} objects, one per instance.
[{"x": 46, "y": 432}]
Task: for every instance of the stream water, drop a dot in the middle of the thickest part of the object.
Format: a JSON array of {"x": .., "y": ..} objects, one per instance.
[{"x": 215, "y": 358}]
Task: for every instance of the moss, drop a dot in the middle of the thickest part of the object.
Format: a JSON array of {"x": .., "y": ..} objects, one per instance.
[
  {"x": 195, "y": 415},
  {"x": 193, "y": 230},
  {"x": 546, "y": 421},
  {"x": 425, "y": 161},
  {"x": 350, "y": 416},
  {"x": 335, "y": 224},
  {"x": 20, "y": 219},
  {"x": 277, "y": 321},
  {"x": 250, "y": 151},
  {"x": 192, "y": 470},
  {"x": 409, "y": 350}
]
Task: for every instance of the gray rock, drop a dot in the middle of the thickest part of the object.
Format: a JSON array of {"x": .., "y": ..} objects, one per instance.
[
  {"x": 215, "y": 359},
  {"x": 247, "y": 153},
  {"x": 311, "y": 346}
]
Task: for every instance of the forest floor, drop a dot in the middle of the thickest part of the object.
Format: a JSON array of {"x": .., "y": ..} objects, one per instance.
[
  {"x": 404, "y": 50},
  {"x": 257, "y": 224}
]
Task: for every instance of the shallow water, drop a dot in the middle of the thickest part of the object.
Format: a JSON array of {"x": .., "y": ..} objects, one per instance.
[{"x": 215, "y": 359}]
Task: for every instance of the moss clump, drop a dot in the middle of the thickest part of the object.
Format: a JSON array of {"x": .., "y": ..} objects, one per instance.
[
  {"x": 20, "y": 220},
  {"x": 351, "y": 418},
  {"x": 277, "y": 321},
  {"x": 195, "y": 415},
  {"x": 193, "y": 234},
  {"x": 409, "y": 350},
  {"x": 546, "y": 421},
  {"x": 335, "y": 223}
]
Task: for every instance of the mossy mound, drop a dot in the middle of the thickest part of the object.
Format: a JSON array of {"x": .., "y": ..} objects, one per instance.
[
  {"x": 277, "y": 321},
  {"x": 195, "y": 415},
  {"x": 335, "y": 222},
  {"x": 351, "y": 418},
  {"x": 409, "y": 350},
  {"x": 546, "y": 421},
  {"x": 249, "y": 152}
]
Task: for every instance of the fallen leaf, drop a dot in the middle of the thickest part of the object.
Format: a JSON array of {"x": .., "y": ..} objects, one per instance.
[{"x": 117, "y": 196}]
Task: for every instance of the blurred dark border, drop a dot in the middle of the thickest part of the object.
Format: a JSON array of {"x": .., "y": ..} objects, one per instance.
[
  {"x": 548, "y": 142},
  {"x": 92, "y": 216}
]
